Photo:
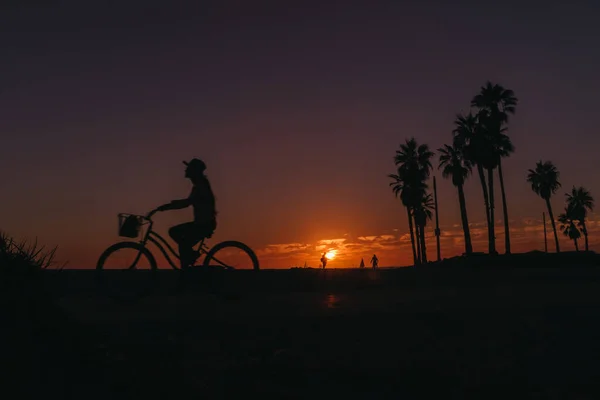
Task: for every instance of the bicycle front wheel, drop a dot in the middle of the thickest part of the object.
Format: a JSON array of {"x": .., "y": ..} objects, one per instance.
[
  {"x": 126, "y": 271},
  {"x": 231, "y": 255}
]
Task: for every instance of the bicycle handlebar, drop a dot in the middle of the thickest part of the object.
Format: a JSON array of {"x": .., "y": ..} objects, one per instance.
[{"x": 147, "y": 217}]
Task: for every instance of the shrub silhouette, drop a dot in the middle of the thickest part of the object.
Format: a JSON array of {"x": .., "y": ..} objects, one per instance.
[{"x": 43, "y": 345}]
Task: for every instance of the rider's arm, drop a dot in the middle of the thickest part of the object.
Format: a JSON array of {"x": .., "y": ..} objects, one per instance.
[
  {"x": 175, "y": 205},
  {"x": 182, "y": 203}
]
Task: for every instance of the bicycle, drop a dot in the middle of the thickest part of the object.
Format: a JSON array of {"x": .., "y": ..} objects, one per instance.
[{"x": 131, "y": 226}]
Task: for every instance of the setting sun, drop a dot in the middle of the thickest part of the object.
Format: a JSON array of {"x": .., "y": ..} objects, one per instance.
[{"x": 331, "y": 254}]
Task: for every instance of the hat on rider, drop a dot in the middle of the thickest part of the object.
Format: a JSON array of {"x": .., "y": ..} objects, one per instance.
[{"x": 195, "y": 165}]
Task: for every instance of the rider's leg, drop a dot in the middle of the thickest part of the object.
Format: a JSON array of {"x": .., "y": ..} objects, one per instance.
[
  {"x": 185, "y": 255},
  {"x": 196, "y": 233},
  {"x": 187, "y": 235},
  {"x": 181, "y": 235},
  {"x": 177, "y": 232}
]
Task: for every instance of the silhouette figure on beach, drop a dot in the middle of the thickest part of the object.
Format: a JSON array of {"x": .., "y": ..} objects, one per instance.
[
  {"x": 362, "y": 263},
  {"x": 324, "y": 260},
  {"x": 202, "y": 199},
  {"x": 374, "y": 261}
]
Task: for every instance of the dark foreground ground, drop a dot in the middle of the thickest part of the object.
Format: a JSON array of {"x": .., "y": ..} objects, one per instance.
[{"x": 526, "y": 332}]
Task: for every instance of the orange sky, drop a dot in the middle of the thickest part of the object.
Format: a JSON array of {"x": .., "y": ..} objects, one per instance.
[
  {"x": 394, "y": 249},
  {"x": 286, "y": 204},
  {"x": 80, "y": 244}
]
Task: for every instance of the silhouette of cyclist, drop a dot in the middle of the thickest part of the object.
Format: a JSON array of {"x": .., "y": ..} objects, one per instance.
[{"x": 202, "y": 200}]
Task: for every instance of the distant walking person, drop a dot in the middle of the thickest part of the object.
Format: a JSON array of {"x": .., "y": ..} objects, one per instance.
[
  {"x": 374, "y": 261},
  {"x": 324, "y": 260},
  {"x": 362, "y": 263}
]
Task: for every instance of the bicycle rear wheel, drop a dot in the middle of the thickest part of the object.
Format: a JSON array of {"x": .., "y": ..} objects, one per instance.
[
  {"x": 126, "y": 271},
  {"x": 231, "y": 255}
]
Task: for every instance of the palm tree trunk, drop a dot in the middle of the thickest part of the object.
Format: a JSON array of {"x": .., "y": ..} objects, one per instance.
[
  {"x": 437, "y": 222},
  {"x": 412, "y": 235},
  {"x": 418, "y": 240},
  {"x": 465, "y": 220},
  {"x": 585, "y": 234},
  {"x": 551, "y": 215},
  {"x": 504, "y": 210},
  {"x": 576, "y": 246},
  {"x": 545, "y": 239},
  {"x": 491, "y": 230},
  {"x": 423, "y": 248},
  {"x": 486, "y": 199}
]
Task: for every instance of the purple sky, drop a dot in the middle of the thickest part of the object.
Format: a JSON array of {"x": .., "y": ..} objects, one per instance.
[{"x": 297, "y": 110}]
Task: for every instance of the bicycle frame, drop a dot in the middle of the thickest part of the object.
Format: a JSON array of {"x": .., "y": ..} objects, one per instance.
[{"x": 161, "y": 243}]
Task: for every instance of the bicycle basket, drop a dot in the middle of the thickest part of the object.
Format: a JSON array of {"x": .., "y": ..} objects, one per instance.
[{"x": 129, "y": 225}]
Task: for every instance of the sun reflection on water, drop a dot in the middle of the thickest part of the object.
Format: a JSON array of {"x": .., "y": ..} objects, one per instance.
[{"x": 332, "y": 301}]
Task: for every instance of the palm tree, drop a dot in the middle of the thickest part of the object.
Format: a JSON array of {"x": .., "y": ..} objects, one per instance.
[
  {"x": 544, "y": 182},
  {"x": 423, "y": 212},
  {"x": 494, "y": 104},
  {"x": 418, "y": 238},
  {"x": 413, "y": 160},
  {"x": 414, "y": 166},
  {"x": 455, "y": 166},
  {"x": 581, "y": 201},
  {"x": 400, "y": 190},
  {"x": 568, "y": 227},
  {"x": 504, "y": 149},
  {"x": 470, "y": 139}
]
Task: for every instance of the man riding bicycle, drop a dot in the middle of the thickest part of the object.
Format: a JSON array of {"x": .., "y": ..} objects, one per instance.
[{"x": 202, "y": 199}]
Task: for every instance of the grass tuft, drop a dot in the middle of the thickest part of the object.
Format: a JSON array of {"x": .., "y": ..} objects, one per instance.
[{"x": 25, "y": 256}]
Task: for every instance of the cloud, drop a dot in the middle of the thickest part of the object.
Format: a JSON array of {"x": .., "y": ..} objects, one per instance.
[
  {"x": 282, "y": 249},
  {"x": 331, "y": 241},
  {"x": 378, "y": 238},
  {"x": 476, "y": 224}
]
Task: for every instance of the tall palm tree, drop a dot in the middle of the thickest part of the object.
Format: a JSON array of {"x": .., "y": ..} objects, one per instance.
[
  {"x": 470, "y": 139},
  {"x": 581, "y": 201},
  {"x": 455, "y": 166},
  {"x": 400, "y": 190},
  {"x": 544, "y": 182},
  {"x": 487, "y": 148},
  {"x": 495, "y": 101},
  {"x": 423, "y": 212},
  {"x": 504, "y": 148},
  {"x": 494, "y": 104},
  {"x": 414, "y": 166},
  {"x": 568, "y": 226},
  {"x": 418, "y": 238},
  {"x": 413, "y": 160}
]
